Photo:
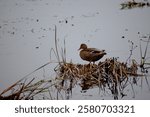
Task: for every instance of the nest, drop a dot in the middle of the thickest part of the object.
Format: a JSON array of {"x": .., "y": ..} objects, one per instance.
[{"x": 111, "y": 74}]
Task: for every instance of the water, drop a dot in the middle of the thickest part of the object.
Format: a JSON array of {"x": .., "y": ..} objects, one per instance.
[{"x": 27, "y": 35}]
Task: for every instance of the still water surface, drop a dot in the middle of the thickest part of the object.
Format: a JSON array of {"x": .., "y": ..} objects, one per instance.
[{"x": 27, "y": 35}]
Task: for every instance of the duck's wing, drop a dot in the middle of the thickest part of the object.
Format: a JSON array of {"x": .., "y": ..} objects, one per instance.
[{"x": 95, "y": 50}]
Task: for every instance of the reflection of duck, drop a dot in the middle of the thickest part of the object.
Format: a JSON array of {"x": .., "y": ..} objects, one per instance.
[{"x": 91, "y": 54}]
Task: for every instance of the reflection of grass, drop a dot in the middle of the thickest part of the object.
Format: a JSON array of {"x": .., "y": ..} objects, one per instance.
[{"x": 110, "y": 74}]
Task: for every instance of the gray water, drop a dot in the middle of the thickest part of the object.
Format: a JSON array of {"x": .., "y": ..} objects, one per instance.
[{"x": 27, "y": 35}]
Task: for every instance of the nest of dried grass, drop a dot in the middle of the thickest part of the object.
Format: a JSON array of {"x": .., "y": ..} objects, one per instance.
[{"x": 111, "y": 74}]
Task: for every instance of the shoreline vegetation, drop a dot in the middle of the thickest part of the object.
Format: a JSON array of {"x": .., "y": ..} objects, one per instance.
[
  {"x": 110, "y": 74},
  {"x": 133, "y": 4}
]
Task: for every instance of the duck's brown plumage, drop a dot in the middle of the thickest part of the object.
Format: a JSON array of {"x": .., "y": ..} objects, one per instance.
[{"x": 90, "y": 54}]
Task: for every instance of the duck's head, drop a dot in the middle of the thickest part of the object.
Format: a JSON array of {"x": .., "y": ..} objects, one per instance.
[{"x": 83, "y": 46}]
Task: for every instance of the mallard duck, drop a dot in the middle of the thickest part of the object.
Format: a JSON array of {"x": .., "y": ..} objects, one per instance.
[{"x": 90, "y": 54}]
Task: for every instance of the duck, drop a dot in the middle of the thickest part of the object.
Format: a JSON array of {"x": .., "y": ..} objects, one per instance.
[{"x": 90, "y": 54}]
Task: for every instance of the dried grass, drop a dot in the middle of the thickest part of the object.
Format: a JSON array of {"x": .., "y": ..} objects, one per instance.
[
  {"x": 111, "y": 74},
  {"x": 132, "y": 4}
]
